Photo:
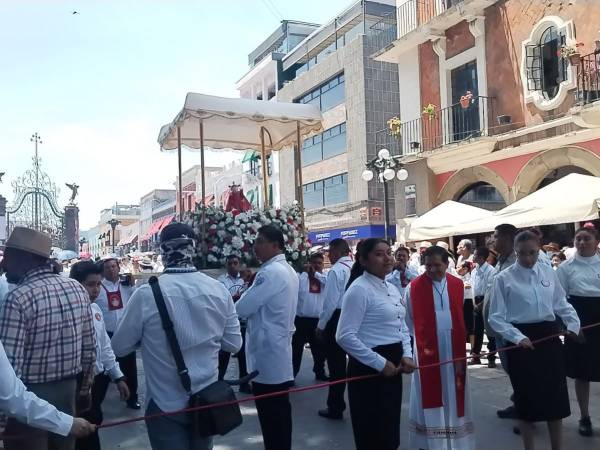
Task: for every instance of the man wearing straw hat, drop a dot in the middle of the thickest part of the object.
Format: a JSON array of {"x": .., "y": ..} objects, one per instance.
[{"x": 47, "y": 330}]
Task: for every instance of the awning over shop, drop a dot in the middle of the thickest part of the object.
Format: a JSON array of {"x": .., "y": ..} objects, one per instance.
[
  {"x": 157, "y": 226},
  {"x": 128, "y": 240},
  {"x": 250, "y": 155},
  {"x": 445, "y": 220}
]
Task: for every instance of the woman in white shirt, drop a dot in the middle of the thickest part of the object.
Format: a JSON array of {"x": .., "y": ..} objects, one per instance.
[
  {"x": 373, "y": 332},
  {"x": 580, "y": 278},
  {"x": 526, "y": 300}
]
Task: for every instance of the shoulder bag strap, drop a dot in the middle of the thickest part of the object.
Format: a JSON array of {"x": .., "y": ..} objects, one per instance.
[{"x": 171, "y": 336}]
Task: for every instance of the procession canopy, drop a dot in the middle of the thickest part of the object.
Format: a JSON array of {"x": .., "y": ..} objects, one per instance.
[{"x": 235, "y": 123}]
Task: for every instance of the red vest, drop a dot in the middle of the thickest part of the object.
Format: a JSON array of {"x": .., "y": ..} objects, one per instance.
[{"x": 423, "y": 314}]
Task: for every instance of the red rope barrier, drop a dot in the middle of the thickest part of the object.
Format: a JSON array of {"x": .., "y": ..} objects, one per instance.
[{"x": 301, "y": 389}]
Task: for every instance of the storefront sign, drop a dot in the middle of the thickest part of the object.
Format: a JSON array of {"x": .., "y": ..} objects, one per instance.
[{"x": 360, "y": 232}]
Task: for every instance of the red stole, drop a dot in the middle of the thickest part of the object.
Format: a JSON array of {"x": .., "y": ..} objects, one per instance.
[
  {"x": 423, "y": 312},
  {"x": 314, "y": 285}
]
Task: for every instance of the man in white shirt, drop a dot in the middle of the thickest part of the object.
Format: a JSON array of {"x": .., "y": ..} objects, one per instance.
[
  {"x": 269, "y": 306},
  {"x": 233, "y": 281},
  {"x": 481, "y": 278},
  {"x": 113, "y": 298},
  {"x": 402, "y": 274},
  {"x": 464, "y": 251},
  {"x": 311, "y": 296},
  {"x": 205, "y": 321},
  {"x": 337, "y": 279}
]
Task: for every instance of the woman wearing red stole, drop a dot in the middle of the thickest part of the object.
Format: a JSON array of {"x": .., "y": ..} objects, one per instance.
[
  {"x": 373, "y": 332},
  {"x": 526, "y": 300},
  {"x": 440, "y": 410}
]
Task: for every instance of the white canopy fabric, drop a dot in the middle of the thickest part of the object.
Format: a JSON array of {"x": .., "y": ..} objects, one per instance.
[
  {"x": 445, "y": 220},
  {"x": 573, "y": 198},
  {"x": 235, "y": 123}
]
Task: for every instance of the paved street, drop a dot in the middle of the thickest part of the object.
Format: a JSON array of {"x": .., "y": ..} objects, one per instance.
[{"x": 489, "y": 389}]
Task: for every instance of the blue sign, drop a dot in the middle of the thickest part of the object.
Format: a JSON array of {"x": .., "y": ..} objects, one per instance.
[{"x": 360, "y": 232}]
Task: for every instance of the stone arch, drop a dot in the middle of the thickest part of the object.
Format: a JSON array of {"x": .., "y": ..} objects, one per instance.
[
  {"x": 464, "y": 178},
  {"x": 532, "y": 173}
]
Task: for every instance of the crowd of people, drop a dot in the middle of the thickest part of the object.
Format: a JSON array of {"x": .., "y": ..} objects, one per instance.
[{"x": 378, "y": 313}]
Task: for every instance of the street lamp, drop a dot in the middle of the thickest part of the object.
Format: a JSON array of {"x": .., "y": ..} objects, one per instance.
[
  {"x": 386, "y": 167},
  {"x": 113, "y": 224},
  {"x": 81, "y": 242}
]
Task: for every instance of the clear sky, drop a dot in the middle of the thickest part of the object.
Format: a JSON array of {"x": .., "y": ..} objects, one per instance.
[{"x": 98, "y": 85}]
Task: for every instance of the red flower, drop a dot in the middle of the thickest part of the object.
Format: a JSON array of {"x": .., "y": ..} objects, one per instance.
[
  {"x": 290, "y": 220},
  {"x": 212, "y": 231},
  {"x": 235, "y": 212}
]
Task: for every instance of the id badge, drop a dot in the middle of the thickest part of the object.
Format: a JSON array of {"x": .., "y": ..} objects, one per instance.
[
  {"x": 443, "y": 319},
  {"x": 114, "y": 301}
]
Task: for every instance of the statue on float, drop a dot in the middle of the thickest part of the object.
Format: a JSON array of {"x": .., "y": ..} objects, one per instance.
[{"x": 234, "y": 198}]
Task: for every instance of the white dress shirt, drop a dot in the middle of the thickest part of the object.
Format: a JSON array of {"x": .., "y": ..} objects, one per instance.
[
  {"x": 396, "y": 280},
  {"x": 111, "y": 318},
  {"x": 372, "y": 315},
  {"x": 205, "y": 322},
  {"x": 234, "y": 285},
  {"x": 310, "y": 304},
  {"x": 5, "y": 288},
  {"x": 468, "y": 290},
  {"x": 105, "y": 357},
  {"x": 270, "y": 307},
  {"x": 522, "y": 295},
  {"x": 337, "y": 278},
  {"x": 580, "y": 276},
  {"x": 16, "y": 401},
  {"x": 481, "y": 279}
]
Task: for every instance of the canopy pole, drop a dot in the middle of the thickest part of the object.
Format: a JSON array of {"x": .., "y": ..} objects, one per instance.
[
  {"x": 203, "y": 189},
  {"x": 265, "y": 168},
  {"x": 180, "y": 199},
  {"x": 299, "y": 183}
]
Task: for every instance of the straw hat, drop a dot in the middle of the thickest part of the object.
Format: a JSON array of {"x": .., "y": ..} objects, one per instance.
[
  {"x": 443, "y": 244},
  {"x": 30, "y": 241},
  {"x": 425, "y": 244},
  {"x": 552, "y": 247}
]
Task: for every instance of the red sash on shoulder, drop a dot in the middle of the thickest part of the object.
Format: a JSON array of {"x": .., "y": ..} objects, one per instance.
[{"x": 421, "y": 297}]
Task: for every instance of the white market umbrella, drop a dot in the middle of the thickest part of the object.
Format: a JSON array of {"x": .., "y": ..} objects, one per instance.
[{"x": 445, "y": 220}]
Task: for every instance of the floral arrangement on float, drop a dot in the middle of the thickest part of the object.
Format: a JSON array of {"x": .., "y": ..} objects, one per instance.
[{"x": 234, "y": 232}]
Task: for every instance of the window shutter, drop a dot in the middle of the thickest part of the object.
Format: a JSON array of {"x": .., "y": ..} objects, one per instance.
[{"x": 533, "y": 64}]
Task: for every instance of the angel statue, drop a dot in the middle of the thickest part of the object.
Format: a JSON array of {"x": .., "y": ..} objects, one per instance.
[{"x": 74, "y": 190}]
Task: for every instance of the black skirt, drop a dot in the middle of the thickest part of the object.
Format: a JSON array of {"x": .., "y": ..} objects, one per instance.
[
  {"x": 583, "y": 360},
  {"x": 375, "y": 403},
  {"x": 538, "y": 376},
  {"x": 469, "y": 317}
]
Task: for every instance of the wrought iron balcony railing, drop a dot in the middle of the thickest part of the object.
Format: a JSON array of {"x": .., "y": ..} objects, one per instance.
[
  {"x": 459, "y": 122},
  {"x": 588, "y": 78},
  {"x": 383, "y": 32},
  {"x": 414, "y": 13}
]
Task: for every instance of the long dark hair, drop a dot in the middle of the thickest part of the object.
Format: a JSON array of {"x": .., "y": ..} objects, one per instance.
[{"x": 362, "y": 250}]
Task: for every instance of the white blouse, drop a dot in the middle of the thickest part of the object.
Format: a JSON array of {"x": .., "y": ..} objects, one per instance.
[
  {"x": 522, "y": 295},
  {"x": 580, "y": 276},
  {"x": 372, "y": 315}
]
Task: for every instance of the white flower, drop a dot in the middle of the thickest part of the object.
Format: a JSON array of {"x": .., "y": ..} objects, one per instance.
[
  {"x": 221, "y": 233},
  {"x": 295, "y": 256},
  {"x": 213, "y": 226},
  {"x": 237, "y": 242},
  {"x": 243, "y": 226},
  {"x": 210, "y": 258},
  {"x": 242, "y": 217},
  {"x": 226, "y": 250}
]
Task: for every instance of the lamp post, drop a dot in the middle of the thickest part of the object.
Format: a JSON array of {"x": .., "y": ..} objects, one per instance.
[
  {"x": 81, "y": 242},
  {"x": 386, "y": 167},
  {"x": 113, "y": 224}
]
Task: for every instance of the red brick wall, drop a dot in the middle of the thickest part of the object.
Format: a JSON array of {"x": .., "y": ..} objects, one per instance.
[
  {"x": 429, "y": 68},
  {"x": 508, "y": 24},
  {"x": 458, "y": 39}
]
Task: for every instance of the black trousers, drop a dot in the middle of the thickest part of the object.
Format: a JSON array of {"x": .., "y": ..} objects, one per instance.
[
  {"x": 375, "y": 403},
  {"x": 128, "y": 366},
  {"x": 336, "y": 362},
  {"x": 479, "y": 331},
  {"x": 275, "y": 416},
  {"x": 224, "y": 358},
  {"x": 94, "y": 414},
  {"x": 305, "y": 334}
]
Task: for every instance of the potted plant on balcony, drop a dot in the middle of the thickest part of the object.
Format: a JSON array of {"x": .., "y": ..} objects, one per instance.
[
  {"x": 571, "y": 52},
  {"x": 395, "y": 127},
  {"x": 430, "y": 111},
  {"x": 465, "y": 100}
]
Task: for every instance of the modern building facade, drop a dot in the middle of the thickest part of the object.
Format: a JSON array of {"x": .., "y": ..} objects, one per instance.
[
  {"x": 333, "y": 69},
  {"x": 100, "y": 238},
  {"x": 491, "y": 111}
]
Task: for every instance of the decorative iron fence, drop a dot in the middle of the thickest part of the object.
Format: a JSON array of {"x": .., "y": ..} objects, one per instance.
[{"x": 588, "y": 78}]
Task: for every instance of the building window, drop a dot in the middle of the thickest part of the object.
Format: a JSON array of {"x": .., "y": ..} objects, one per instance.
[
  {"x": 330, "y": 143},
  {"x": 482, "y": 195},
  {"x": 327, "y": 192},
  {"x": 327, "y": 95},
  {"x": 546, "y": 76}
]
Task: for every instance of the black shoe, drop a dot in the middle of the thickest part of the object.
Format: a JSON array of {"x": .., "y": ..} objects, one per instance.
[
  {"x": 492, "y": 363},
  {"x": 133, "y": 404},
  {"x": 585, "y": 426},
  {"x": 245, "y": 388},
  {"x": 475, "y": 361},
  {"x": 321, "y": 377},
  {"x": 329, "y": 414},
  {"x": 507, "y": 413}
]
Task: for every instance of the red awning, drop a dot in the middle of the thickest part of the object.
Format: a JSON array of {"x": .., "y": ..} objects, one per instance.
[
  {"x": 153, "y": 229},
  {"x": 166, "y": 222}
]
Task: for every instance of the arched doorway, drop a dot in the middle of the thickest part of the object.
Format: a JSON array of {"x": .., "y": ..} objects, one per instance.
[
  {"x": 482, "y": 195},
  {"x": 561, "y": 172}
]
